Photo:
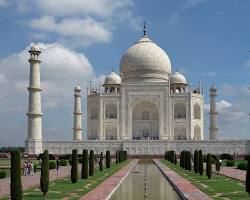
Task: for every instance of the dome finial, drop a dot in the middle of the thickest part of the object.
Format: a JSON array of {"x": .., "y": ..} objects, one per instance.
[
  {"x": 177, "y": 70},
  {"x": 144, "y": 29}
]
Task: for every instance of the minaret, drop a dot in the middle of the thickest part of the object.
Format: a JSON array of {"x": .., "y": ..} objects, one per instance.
[
  {"x": 77, "y": 130},
  {"x": 213, "y": 114},
  {"x": 34, "y": 142}
]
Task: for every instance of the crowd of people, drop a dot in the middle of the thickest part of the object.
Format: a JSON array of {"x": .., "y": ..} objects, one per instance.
[{"x": 28, "y": 168}]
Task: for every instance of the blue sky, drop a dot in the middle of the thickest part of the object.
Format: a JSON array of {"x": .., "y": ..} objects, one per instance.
[{"x": 83, "y": 40}]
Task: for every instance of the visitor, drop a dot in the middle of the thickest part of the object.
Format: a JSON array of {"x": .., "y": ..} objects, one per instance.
[
  {"x": 25, "y": 168},
  {"x": 57, "y": 166}
]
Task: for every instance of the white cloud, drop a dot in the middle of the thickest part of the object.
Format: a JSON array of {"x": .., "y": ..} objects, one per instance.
[
  {"x": 82, "y": 32},
  {"x": 4, "y": 3},
  {"x": 193, "y": 3}
]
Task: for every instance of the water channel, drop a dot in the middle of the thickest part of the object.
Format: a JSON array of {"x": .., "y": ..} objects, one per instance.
[{"x": 145, "y": 173}]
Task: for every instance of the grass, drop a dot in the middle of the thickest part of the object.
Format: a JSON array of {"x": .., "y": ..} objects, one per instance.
[
  {"x": 220, "y": 188},
  {"x": 6, "y": 162},
  {"x": 236, "y": 162},
  {"x": 65, "y": 189}
]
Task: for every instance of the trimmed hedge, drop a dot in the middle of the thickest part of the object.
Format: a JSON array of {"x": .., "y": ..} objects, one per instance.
[
  {"x": 230, "y": 163},
  {"x": 74, "y": 166},
  {"x": 242, "y": 166},
  {"x": 44, "y": 178},
  {"x": 108, "y": 159},
  {"x": 2, "y": 174},
  {"x": 52, "y": 164},
  {"x": 91, "y": 163},
  {"x": 63, "y": 162},
  {"x": 15, "y": 183},
  {"x": 209, "y": 166},
  {"x": 226, "y": 156},
  {"x": 200, "y": 162},
  {"x": 85, "y": 168}
]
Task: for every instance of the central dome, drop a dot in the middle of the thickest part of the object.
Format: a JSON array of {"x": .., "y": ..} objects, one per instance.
[{"x": 146, "y": 62}]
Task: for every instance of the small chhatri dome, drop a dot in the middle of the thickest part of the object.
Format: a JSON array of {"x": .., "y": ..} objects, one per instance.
[
  {"x": 178, "y": 78},
  {"x": 77, "y": 87},
  {"x": 112, "y": 78},
  {"x": 145, "y": 62},
  {"x": 34, "y": 48}
]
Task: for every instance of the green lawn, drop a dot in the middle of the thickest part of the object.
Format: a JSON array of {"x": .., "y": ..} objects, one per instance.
[
  {"x": 219, "y": 189},
  {"x": 6, "y": 162},
  {"x": 64, "y": 188},
  {"x": 236, "y": 162}
]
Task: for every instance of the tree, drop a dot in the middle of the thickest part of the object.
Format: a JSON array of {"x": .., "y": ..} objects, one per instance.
[
  {"x": 16, "y": 184},
  {"x": 116, "y": 157},
  {"x": 120, "y": 156},
  {"x": 100, "y": 161},
  {"x": 209, "y": 166},
  {"x": 44, "y": 179},
  {"x": 175, "y": 159},
  {"x": 196, "y": 161},
  {"x": 188, "y": 161},
  {"x": 74, "y": 166},
  {"x": 200, "y": 163},
  {"x": 248, "y": 176},
  {"x": 91, "y": 163},
  {"x": 85, "y": 169},
  {"x": 217, "y": 167},
  {"x": 108, "y": 159}
]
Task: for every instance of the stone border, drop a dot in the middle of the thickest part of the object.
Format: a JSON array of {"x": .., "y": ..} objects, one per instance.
[
  {"x": 183, "y": 187},
  {"x": 106, "y": 189}
]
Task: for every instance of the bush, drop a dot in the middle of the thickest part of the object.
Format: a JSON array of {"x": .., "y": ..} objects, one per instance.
[
  {"x": 52, "y": 164},
  {"x": 226, "y": 156},
  {"x": 35, "y": 168},
  {"x": 108, "y": 159},
  {"x": 91, "y": 163},
  {"x": 242, "y": 166},
  {"x": 230, "y": 163},
  {"x": 196, "y": 161},
  {"x": 65, "y": 157},
  {"x": 63, "y": 162},
  {"x": 188, "y": 162},
  {"x": 15, "y": 183},
  {"x": 100, "y": 162},
  {"x": 74, "y": 166},
  {"x": 44, "y": 178},
  {"x": 2, "y": 174},
  {"x": 52, "y": 157},
  {"x": 85, "y": 169},
  {"x": 200, "y": 163},
  {"x": 209, "y": 166},
  {"x": 248, "y": 177},
  {"x": 116, "y": 157}
]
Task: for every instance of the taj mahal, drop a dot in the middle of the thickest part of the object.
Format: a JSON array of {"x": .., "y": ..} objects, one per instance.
[{"x": 147, "y": 108}]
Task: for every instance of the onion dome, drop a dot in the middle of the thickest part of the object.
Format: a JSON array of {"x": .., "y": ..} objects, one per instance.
[
  {"x": 177, "y": 78},
  {"x": 112, "y": 79}
]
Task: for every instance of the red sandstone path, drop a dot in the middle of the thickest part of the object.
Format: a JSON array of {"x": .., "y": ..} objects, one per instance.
[
  {"x": 31, "y": 181},
  {"x": 183, "y": 187},
  {"x": 108, "y": 187},
  {"x": 234, "y": 173}
]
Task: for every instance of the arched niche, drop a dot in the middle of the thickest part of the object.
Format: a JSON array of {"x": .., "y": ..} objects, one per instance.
[
  {"x": 197, "y": 111},
  {"x": 111, "y": 111},
  {"x": 180, "y": 111},
  {"x": 180, "y": 132},
  {"x": 197, "y": 132}
]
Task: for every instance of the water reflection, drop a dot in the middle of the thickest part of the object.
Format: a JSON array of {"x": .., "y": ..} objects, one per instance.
[{"x": 132, "y": 187}]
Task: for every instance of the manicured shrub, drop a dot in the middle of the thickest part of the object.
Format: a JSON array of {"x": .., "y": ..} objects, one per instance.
[
  {"x": 65, "y": 157},
  {"x": 91, "y": 163},
  {"x": 125, "y": 155},
  {"x": 248, "y": 177},
  {"x": 2, "y": 174},
  {"x": 189, "y": 162},
  {"x": 196, "y": 161},
  {"x": 116, "y": 157},
  {"x": 230, "y": 163},
  {"x": 15, "y": 184},
  {"x": 52, "y": 164},
  {"x": 63, "y": 162},
  {"x": 175, "y": 159},
  {"x": 242, "y": 166},
  {"x": 100, "y": 162},
  {"x": 181, "y": 159},
  {"x": 200, "y": 163},
  {"x": 74, "y": 166},
  {"x": 85, "y": 169},
  {"x": 209, "y": 166},
  {"x": 108, "y": 159},
  {"x": 35, "y": 168},
  {"x": 44, "y": 179},
  {"x": 120, "y": 156},
  {"x": 52, "y": 157}
]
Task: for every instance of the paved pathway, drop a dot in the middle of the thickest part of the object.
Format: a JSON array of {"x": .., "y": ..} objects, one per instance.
[
  {"x": 183, "y": 187},
  {"x": 233, "y": 173},
  {"x": 31, "y": 181},
  {"x": 107, "y": 188}
]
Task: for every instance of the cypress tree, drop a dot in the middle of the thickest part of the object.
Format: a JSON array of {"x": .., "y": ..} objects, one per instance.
[
  {"x": 196, "y": 161},
  {"x": 120, "y": 156},
  {"x": 85, "y": 170},
  {"x": 175, "y": 159},
  {"x": 189, "y": 162},
  {"x": 108, "y": 159},
  {"x": 116, "y": 157},
  {"x": 200, "y": 163},
  {"x": 209, "y": 166},
  {"x": 74, "y": 166},
  {"x": 44, "y": 178},
  {"x": 248, "y": 176},
  {"x": 165, "y": 155},
  {"x": 181, "y": 159},
  {"x": 100, "y": 161},
  {"x": 185, "y": 159},
  {"x": 125, "y": 155},
  {"x": 15, "y": 183},
  {"x": 91, "y": 163}
]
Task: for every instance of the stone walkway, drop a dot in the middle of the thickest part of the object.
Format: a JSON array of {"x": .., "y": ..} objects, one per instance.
[
  {"x": 107, "y": 188},
  {"x": 182, "y": 186},
  {"x": 31, "y": 181},
  {"x": 234, "y": 173}
]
